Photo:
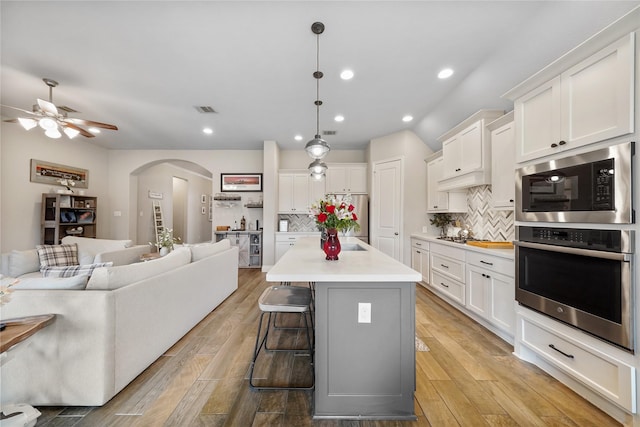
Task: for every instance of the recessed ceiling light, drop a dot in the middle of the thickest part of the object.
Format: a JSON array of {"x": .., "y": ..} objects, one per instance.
[
  {"x": 407, "y": 118},
  {"x": 298, "y": 137},
  {"x": 445, "y": 73},
  {"x": 208, "y": 131},
  {"x": 346, "y": 75},
  {"x": 94, "y": 130},
  {"x": 339, "y": 118}
]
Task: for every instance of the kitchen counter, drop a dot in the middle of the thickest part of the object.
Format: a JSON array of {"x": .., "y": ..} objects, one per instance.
[
  {"x": 361, "y": 300},
  {"x": 504, "y": 253}
]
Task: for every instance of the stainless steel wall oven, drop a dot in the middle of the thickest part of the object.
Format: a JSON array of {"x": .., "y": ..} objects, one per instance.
[
  {"x": 594, "y": 187},
  {"x": 582, "y": 277}
]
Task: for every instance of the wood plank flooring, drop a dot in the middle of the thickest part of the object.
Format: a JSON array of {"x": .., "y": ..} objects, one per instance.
[{"x": 468, "y": 378}]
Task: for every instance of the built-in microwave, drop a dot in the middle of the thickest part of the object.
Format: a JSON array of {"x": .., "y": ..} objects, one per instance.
[{"x": 593, "y": 187}]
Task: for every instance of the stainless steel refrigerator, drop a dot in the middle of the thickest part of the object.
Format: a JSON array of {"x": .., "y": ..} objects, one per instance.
[{"x": 361, "y": 204}]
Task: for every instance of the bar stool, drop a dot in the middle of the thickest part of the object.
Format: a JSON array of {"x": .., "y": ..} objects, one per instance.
[{"x": 283, "y": 299}]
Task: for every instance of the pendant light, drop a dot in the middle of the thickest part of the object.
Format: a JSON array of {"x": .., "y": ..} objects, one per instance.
[{"x": 317, "y": 148}]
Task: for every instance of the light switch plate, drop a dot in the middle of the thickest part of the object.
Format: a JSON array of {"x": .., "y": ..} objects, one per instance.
[{"x": 364, "y": 312}]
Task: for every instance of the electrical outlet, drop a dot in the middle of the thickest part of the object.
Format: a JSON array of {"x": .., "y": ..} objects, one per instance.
[{"x": 364, "y": 312}]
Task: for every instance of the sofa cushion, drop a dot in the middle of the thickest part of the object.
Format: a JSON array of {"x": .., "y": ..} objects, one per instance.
[
  {"x": 88, "y": 248},
  {"x": 23, "y": 262},
  {"x": 72, "y": 283},
  {"x": 204, "y": 250},
  {"x": 57, "y": 255},
  {"x": 73, "y": 270},
  {"x": 108, "y": 278}
]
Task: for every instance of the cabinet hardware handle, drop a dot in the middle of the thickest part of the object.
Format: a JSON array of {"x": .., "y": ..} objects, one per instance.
[
  {"x": 570, "y": 356},
  {"x": 435, "y": 206},
  {"x": 396, "y": 233},
  {"x": 562, "y": 142},
  {"x": 510, "y": 200},
  {"x": 444, "y": 266},
  {"x": 486, "y": 262},
  {"x": 446, "y": 286},
  {"x": 418, "y": 252},
  {"x": 554, "y": 145},
  {"x": 418, "y": 244},
  {"x": 458, "y": 170}
]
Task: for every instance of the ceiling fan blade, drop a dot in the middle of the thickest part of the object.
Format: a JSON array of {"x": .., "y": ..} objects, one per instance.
[
  {"x": 47, "y": 107},
  {"x": 20, "y": 109},
  {"x": 79, "y": 129},
  {"x": 90, "y": 123},
  {"x": 11, "y": 121}
]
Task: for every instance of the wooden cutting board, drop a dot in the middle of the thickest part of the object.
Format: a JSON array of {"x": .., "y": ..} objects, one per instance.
[{"x": 491, "y": 245}]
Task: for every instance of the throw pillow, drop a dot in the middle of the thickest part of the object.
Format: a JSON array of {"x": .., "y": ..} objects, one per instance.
[
  {"x": 58, "y": 283},
  {"x": 57, "y": 255},
  {"x": 72, "y": 270},
  {"x": 23, "y": 262}
]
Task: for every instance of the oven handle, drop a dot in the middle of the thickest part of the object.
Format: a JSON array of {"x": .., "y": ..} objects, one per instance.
[{"x": 577, "y": 251}]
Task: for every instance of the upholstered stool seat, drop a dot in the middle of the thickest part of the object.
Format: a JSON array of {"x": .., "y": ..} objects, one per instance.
[{"x": 283, "y": 299}]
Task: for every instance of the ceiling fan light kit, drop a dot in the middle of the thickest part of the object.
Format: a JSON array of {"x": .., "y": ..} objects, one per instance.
[
  {"x": 53, "y": 120},
  {"x": 317, "y": 148}
]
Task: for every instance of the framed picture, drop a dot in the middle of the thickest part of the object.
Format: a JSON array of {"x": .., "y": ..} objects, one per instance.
[
  {"x": 54, "y": 173},
  {"x": 85, "y": 217},
  {"x": 241, "y": 182}
]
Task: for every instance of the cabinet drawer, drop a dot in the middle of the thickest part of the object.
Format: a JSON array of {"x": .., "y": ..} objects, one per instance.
[
  {"x": 448, "y": 267},
  {"x": 606, "y": 375},
  {"x": 420, "y": 244},
  {"x": 492, "y": 263},
  {"x": 447, "y": 286}
]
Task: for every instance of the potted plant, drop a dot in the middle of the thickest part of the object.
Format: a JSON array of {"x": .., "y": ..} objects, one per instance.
[
  {"x": 333, "y": 215},
  {"x": 166, "y": 241},
  {"x": 442, "y": 221}
]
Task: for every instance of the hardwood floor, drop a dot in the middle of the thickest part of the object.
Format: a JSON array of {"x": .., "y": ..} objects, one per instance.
[{"x": 468, "y": 378}]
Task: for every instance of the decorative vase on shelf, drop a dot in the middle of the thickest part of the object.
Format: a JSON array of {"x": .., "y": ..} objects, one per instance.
[
  {"x": 332, "y": 245},
  {"x": 164, "y": 250}
]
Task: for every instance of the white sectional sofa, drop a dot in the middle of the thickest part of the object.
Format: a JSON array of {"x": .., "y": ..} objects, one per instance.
[{"x": 107, "y": 334}]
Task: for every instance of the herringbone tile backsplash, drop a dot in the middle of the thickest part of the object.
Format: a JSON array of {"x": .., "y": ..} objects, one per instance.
[{"x": 487, "y": 223}]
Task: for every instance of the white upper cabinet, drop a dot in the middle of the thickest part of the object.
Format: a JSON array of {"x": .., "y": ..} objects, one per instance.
[
  {"x": 466, "y": 152},
  {"x": 589, "y": 102},
  {"x": 442, "y": 201},
  {"x": 347, "y": 178},
  {"x": 503, "y": 159},
  {"x": 294, "y": 192}
]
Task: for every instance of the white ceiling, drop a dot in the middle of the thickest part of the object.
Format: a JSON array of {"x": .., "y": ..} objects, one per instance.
[{"x": 144, "y": 65}]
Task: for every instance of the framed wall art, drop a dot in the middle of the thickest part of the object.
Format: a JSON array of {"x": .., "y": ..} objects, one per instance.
[
  {"x": 53, "y": 173},
  {"x": 241, "y": 182}
]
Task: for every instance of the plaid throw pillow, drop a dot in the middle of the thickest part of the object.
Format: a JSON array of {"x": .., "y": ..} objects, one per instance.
[
  {"x": 73, "y": 270},
  {"x": 57, "y": 255}
]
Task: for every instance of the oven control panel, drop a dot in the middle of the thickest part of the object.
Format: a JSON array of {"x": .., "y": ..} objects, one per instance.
[{"x": 585, "y": 238}]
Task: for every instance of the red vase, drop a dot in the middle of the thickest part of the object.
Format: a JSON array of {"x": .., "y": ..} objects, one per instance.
[{"x": 332, "y": 245}]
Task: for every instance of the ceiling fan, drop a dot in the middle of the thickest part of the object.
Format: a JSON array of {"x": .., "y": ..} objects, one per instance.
[{"x": 54, "y": 119}]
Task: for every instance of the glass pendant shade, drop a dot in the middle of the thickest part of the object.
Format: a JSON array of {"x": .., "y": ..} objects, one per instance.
[
  {"x": 27, "y": 124},
  {"x": 53, "y": 133},
  {"x": 317, "y": 148},
  {"x": 317, "y": 167},
  {"x": 317, "y": 176},
  {"x": 47, "y": 123}
]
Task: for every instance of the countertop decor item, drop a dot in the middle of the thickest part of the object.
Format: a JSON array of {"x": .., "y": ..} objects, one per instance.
[
  {"x": 331, "y": 212},
  {"x": 442, "y": 221},
  {"x": 332, "y": 245}
]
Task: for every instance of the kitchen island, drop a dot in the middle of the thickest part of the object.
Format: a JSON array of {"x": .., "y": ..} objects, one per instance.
[{"x": 365, "y": 329}]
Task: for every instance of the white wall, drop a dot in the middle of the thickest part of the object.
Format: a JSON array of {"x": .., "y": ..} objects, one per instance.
[
  {"x": 22, "y": 199},
  {"x": 408, "y": 146}
]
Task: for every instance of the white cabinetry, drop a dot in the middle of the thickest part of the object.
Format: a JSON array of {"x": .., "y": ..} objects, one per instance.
[
  {"x": 346, "y": 178},
  {"x": 447, "y": 272},
  {"x": 297, "y": 190},
  {"x": 503, "y": 162},
  {"x": 420, "y": 257},
  {"x": 490, "y": 289},
  {"x": 466, "y": 152},
  {"x": 442, "y": 201},
  {"x": 284, "y": 241},
  {"x": 589, "y": 102}
]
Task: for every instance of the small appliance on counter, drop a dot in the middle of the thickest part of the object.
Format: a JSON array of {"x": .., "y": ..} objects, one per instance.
[{"x": 283, "y": 225}]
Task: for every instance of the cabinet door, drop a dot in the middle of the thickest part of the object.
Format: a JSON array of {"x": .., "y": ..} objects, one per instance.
[
  {"x": 285, "y": 192},
  {"x": 503, "y": 166},
  {"x": 281, "y": 248},
  {"x": 424, "y": 265},
  {"x": 437, "y": 201},
  {"x": 471, "y": 148},
  {"x": 451, "y": 157},
  {"x": 477, "y": 287},
  {"x": 300, "y": 193},
  {"x": 357, "y": 179},
  {"x": 597, "y": 95},
  {"x": 538, "y": 116},
  {"x": 316, "y": 190},
  {"x": 336, "y": 179},
  {"x": 503, "y": 295}
]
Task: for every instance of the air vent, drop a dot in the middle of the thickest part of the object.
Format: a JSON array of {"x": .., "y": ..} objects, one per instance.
[
  {"x": 66, "y": 109},
  {"x": 329, "y": 132},
  {"x": 205, "y": 109}
]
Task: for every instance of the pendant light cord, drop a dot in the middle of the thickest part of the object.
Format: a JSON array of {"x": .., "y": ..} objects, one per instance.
[{"x": 318, "y": 76}]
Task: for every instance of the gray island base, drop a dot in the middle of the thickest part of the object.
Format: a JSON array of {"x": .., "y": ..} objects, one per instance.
[{"x": 365, "y": 329}]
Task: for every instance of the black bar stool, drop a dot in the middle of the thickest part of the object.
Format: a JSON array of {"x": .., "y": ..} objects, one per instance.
[{"x": 283, "y": 299}]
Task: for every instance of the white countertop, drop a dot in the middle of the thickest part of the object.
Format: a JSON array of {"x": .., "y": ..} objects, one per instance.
[
  {"x": 504, "y": 253},
  {"x": 305, "y": 262}
]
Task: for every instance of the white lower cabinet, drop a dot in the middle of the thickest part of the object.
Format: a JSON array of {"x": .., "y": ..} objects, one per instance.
[
  {"x": 602, "y": 368},
  {"x": 492, "y": 295},
  {"x": 447, "y": 271},
  {"x": 420, "y": 258},
  {"x": 284, "y": 241}
]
